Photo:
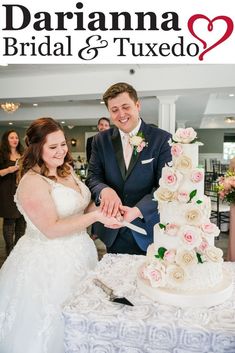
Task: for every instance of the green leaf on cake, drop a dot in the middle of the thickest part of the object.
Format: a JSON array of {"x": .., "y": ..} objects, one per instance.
[
  {"x": 162, "y": 226},
  {"x": 192, "y": 194},
  {"x": 199, "y": 258},
  {"x": 199, "y": 202},
  {"x": 160, "y": 253}
]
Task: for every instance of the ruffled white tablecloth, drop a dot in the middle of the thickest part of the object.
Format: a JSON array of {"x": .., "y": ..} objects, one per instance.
[{"x": 95, "y": 325}]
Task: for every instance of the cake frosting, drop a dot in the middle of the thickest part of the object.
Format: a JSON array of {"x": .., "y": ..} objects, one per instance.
[{"x": 183, "y": 266}]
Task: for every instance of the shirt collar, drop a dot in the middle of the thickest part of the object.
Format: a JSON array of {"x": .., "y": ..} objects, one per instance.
[{"x": 133, "y": 132}]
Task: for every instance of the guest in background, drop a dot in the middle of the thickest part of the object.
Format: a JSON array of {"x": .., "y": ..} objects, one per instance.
[
  {"x": 103, "y": 124},
  {"x": 13, "y": 222},
  {"x": 231, "y": 242},
  {"x": 122, "y": 178}
]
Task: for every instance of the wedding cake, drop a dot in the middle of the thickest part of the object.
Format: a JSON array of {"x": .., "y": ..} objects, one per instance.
[{"x": 183, "y": 267}]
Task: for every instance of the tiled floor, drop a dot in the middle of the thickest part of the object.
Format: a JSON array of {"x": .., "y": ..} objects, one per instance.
[{"x": 221, "y": 243}]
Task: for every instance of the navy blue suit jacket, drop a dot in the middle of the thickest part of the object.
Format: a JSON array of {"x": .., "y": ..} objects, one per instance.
[{"x": 134, "y": 186}]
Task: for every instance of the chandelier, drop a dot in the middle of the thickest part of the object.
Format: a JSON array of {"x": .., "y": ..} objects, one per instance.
[
  {"x": 10, "y": 107},
  {"x": 229, "y": 119}
]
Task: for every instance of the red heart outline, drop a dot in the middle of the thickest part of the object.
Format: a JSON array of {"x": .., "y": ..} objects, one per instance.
[{"x": 226, "y": 35}]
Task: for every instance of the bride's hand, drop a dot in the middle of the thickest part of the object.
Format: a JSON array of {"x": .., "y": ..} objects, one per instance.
[{"x": 109, "y": 222}]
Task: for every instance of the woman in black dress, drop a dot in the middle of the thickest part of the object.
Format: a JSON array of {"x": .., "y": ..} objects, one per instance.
[{"x": 13, "y": 222}]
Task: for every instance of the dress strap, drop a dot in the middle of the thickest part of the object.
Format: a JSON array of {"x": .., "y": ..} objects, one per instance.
[{"x": 48, "y": 180}]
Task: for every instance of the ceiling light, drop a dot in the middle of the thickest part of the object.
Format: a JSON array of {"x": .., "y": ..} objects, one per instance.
[
  {"x": 229, "y": 119},
  {"x": 35, "y": 104},
  {"x": 62, "y": 122},
  {"x": 101, "y": 102},
  {"x": 10, "y": 123},
  {"x": 231, "y": 95},
  {"x": 10, "y": 107}
]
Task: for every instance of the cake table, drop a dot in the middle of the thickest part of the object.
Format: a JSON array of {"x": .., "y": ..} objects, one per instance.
[{"x": 94, "y": 324}]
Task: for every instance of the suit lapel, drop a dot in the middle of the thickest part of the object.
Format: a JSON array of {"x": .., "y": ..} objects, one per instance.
[
  {"x": 135, "y": 156},
  {"x": 117, "y": 145}
]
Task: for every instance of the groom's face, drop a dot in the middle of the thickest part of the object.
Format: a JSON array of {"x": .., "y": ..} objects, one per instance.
[{"x": 124, "y": 112}]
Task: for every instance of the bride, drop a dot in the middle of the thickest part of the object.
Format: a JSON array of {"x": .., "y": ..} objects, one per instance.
[{"x": 55, "y": 254}]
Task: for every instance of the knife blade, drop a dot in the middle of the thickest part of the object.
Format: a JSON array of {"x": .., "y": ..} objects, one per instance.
[
  {"x": 134, "y": 227},
  {"x": 109, "y": 292}
]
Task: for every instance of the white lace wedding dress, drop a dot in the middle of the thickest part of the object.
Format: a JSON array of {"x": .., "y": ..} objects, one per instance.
[{"x": 39, "y": 275}]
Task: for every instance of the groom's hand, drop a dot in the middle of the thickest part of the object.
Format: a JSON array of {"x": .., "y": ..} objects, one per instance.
[
  {"x": 129, "y": 213},
  {"x": 110, "y": 202}
]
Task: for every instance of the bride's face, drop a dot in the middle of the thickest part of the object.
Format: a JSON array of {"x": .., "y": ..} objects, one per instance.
[{"x": 54, "y": 150}]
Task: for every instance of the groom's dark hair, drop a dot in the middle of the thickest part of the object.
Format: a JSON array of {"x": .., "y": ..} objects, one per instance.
[{"x": 120, "y": 87}]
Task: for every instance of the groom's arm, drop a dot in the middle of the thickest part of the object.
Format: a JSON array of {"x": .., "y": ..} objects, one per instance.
[{"x": 95, "y": 179}]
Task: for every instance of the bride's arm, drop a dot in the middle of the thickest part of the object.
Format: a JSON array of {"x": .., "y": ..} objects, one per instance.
[
  {"x": 34, "y": 196},
  {"x": 91, "y": 207}
]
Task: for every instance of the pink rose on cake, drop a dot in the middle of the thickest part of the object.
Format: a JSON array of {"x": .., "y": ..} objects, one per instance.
[
  {"x": 155, "y": 273},
  {"x": 190, "y": 236},
  {"x": 183, "y": 196},
  {"x": 163, "y": 194},
  {"x": 169, "y": 256},
  {"x": 203, "y": 246},
  {"x": 197, "y": 175},
  {"x": 186, "y": 258},
  {"x": 210, "y": 229},
  {"x": 175, "y": 275},
  {"x": 171, "y": 229},
  {"x": 184, "y": 164},
  {"x": 176, "y": 149},
  {"x": 170, "y": 178},
  {"x": 187, "y": 135}
]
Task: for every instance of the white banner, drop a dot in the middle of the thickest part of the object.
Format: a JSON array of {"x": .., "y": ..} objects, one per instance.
[{"x": 147, "y": 32}]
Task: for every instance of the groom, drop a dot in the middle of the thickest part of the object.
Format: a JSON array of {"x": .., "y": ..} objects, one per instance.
[{"x": 124, "y": 171}]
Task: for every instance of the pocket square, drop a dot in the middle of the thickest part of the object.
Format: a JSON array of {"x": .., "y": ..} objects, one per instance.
[{"x": 147, "y": 161}]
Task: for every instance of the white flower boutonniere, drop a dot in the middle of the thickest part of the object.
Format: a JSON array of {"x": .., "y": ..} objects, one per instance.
[{"x": 138, "y": 142}]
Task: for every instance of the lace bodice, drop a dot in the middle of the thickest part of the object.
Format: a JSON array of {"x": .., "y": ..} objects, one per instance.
[{"x": 67, "y": 201}]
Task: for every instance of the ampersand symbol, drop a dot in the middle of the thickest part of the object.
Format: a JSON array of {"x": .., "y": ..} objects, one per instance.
[{"x": 94, "y": 43}]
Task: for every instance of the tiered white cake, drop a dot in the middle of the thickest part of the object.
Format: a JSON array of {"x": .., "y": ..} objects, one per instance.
[{"x": 183, "y": 267}]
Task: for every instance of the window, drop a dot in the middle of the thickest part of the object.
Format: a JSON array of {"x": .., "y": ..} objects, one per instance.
[{"x": 229, "y": 146}]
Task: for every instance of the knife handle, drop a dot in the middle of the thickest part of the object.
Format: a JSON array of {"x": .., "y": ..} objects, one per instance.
[{"x": 103, "y": 286}]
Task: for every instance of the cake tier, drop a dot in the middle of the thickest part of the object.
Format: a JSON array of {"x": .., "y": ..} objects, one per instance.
[
  {"x": 179, "y": 213},
  {"x": 163, "y": 238},
  {"x": 190, "y": 150},
  {"x": 195, "y": 298}
]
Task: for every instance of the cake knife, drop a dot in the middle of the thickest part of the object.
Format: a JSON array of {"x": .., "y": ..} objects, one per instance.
[
  {"x": 134, "y": 227},
  {"x": 109, "y": 292}
]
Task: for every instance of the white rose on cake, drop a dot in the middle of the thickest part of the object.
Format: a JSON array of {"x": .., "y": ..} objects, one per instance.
[
  {"x": 175, "y": 275},
  {"x": 184, "y": 164},
  {"x": 213, "y": 254},
  {"x": 186, "y": 258},
  {"x": 193, "y": 214},
  {"x": 164, "y": 194}
]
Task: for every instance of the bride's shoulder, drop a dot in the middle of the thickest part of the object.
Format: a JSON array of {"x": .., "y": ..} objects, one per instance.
[{"x": 32, "y": 181}]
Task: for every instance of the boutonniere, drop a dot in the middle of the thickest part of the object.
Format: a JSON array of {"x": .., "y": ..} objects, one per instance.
[{"x": 138, "y": 142}]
